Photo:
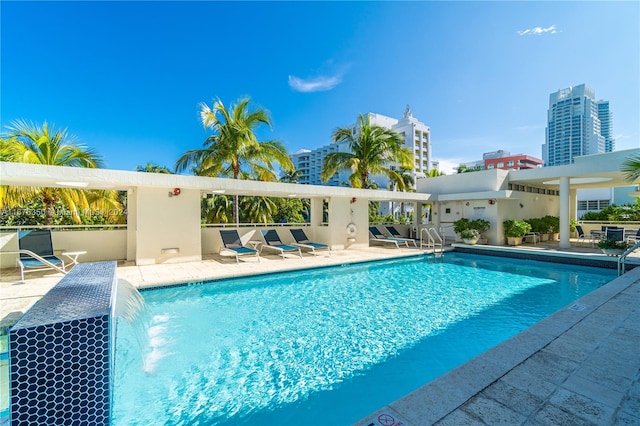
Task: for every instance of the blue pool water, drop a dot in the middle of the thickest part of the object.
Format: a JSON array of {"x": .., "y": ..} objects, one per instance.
[{"x": 331, "y": 345}]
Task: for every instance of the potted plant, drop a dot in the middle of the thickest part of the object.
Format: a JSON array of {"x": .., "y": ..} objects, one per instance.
[
  {"x": 553, "y": 227},
  {"x": 540, "y": 226},
  {"x": 612, "y": 246},
  {"x": 479, "y": 225},
  {"x": 470, "y": 236},
  {"x": 514, "y": 230}
]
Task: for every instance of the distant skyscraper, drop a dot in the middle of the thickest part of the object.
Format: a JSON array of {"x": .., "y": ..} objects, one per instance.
[
  {"x": 606, "y": 125},
  {"x": 574, "y": 126}
]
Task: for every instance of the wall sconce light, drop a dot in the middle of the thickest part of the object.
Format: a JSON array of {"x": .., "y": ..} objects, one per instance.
[
  {"x": 467, "y": 203},
  {"x": 175, "y": 192},
  {"x": 492, "y": 202},
  {"x": 521, "y": 205},
  {"x": 353, "y": 200}
]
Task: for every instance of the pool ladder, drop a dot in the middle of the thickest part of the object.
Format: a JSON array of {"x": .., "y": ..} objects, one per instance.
[
  {"x": 433, "y": 241},
  {"x": 623, "y": 257}
]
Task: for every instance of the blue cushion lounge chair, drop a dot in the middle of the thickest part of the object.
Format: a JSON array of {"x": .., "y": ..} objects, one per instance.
[
  {"x": 395, "y": 234},
  {"x": 379, "y": 237},
  {"x": 231, "y": 242},
  {"x": 36, "y": 252},
  {"x": 273, "y": 241},
  {"x": 303, "y": 242}
]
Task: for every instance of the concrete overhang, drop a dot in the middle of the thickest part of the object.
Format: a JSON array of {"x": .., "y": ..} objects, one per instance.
[
  {"x": 589, "y": 171},
  {"x": 21, "y": 174},
  {"x": 469, "y": 196}
]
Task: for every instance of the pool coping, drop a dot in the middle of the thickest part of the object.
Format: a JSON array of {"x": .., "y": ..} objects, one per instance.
[{"x": 441, "y": 399}]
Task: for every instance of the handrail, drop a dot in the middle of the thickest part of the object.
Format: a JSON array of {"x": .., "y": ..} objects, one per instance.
[
  {"x": 431, "y": 241},
  {"x": 35, "y": 256},
  {"x": 623, "y": 257},
  {"x": 9, "y": 228}
]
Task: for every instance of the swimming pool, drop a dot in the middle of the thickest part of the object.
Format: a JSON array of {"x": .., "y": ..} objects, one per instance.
[{"x": 331, "y": 344}]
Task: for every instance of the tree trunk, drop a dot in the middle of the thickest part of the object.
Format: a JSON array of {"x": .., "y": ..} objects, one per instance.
[
  {"x": 236, "y": 209},
  {"x": 48, "y": 213}
]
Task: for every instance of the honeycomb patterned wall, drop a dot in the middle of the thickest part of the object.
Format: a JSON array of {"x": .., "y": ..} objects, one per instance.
[{"x": 60, "y": 352}]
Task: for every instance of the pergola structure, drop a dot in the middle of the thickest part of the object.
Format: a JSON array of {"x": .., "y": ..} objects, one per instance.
[{"x": 163, "y": 210}]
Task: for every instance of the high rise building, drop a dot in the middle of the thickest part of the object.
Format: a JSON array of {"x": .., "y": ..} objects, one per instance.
[
  {"x": 606, "y": 125},
  {"x": 574, "y": 126},
  {"x": 416, "y": 135}
]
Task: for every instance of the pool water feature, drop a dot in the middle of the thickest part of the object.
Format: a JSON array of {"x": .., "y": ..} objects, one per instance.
[{"x": 331, "y": 344}]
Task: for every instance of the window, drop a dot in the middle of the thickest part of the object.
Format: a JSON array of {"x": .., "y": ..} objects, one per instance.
[
  {"x": 509, "y": 163},
  {"x": 490, "y": 166},
  {"x": 500, "y": 164}
]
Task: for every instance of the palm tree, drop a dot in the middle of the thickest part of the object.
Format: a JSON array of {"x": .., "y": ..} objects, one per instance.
[
  {"x": 217, "y": 209},
  {"x": 291, "y": 176},
  {"x": 153, "y": 168},
  {"x": 258, "y": 209},
  {"x": 30, "y": 143},
  {"x": 372, "y": 151},
  {"x": 234, "y": 150},
  {"x": 631, "y": 168}
]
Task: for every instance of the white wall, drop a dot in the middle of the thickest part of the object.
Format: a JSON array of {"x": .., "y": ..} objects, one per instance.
[
  {"x": 99, "y": 245},
  {"x": 168, "y": 227}
]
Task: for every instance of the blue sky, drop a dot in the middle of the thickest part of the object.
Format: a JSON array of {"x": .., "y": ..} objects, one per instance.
[{"x": 126, "y": 77}]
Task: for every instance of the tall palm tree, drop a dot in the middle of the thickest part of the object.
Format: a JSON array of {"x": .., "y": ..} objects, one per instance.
[
  {"x": 234, "y": 150},
  {"x": 30, "y": 143},
  {"x": 631, "y": 168},
  {"x": 153, "y": 168},
  {"x": 373, "y": 150}
]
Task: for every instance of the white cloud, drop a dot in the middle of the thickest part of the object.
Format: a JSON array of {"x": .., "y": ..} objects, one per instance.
[
  {"x": 538, "y": 31},
  {"x": 316, "y": 84}
]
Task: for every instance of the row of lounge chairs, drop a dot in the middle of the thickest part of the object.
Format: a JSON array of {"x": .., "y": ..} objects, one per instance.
[
  {"x": 232, "y": 243},
  {"x": 393, "y": 237}
]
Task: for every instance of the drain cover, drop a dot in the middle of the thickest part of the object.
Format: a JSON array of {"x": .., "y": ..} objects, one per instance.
[{"x": 577, "y": 307}]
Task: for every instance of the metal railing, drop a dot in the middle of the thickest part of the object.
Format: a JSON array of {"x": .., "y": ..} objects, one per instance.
[
  {"x": 433, "y": 240},
  {"x": 108, "y": 227},
  {"x": 623, "y": 257}
]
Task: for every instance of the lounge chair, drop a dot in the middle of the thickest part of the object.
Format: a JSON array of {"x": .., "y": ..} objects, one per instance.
[
  {"x": 615, "y": 233},
  {"x": 395, "y": 234},
  {"x": 303, "y": 242},
  {"x": 36, "y": 252},
  {"x": 231, "y": 242},
  {"x": 378, "y": 236},
  {"x": 273, "y": 242},
  {"x": 633, "y": 238},
  {"x": 585, "y": 237}
]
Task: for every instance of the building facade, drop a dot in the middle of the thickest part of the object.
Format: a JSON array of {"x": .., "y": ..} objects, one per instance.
[
  {"x": 574, "y": 126},
  {"x": 416, "y": 136},
  {"x": 504, "y": 160}
]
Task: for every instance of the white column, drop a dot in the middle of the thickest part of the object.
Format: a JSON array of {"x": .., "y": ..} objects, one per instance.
[{"x": 564, "y": 212}]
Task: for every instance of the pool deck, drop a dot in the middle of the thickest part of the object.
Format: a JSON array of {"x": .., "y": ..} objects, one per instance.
[{"x": 581, "y": 365}]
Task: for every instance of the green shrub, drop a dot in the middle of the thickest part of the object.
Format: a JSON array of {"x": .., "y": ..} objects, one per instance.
[{"x": 516, "y": 228}]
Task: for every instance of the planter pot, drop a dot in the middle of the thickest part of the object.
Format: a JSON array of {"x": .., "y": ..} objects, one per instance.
[
  {"x": 555, "y": 236},
  {"x": 514, "y": 241},
  {"x": 612, "y": 252},
  {"x": 483, "y": 241},
  {"x": 544, "y": 237},
  {"x": 470, "y": 241}
]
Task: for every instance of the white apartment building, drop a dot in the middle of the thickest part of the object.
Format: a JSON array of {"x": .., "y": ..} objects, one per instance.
[
  {"x": 416, "y": 135},
  {"x": 575, "y": 126}
]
